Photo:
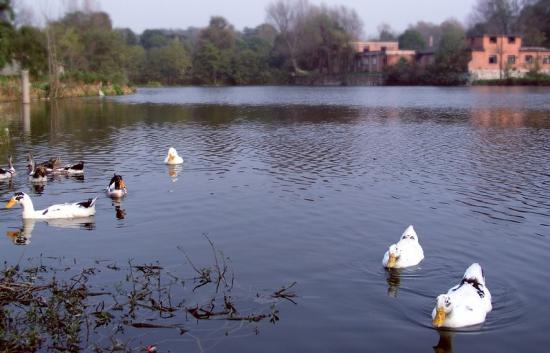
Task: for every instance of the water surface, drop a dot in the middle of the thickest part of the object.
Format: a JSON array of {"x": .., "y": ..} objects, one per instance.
[{"x": 312, "y": 185}]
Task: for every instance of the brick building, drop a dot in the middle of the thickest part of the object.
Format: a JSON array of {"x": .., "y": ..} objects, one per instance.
[{"x": 502, "y": 56}]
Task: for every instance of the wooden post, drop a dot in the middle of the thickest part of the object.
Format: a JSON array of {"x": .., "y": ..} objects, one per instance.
[{"x": 25, "y": 87}]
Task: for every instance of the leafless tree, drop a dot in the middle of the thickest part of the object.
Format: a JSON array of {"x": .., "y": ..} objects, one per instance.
[{"x": 287, "y": 16}]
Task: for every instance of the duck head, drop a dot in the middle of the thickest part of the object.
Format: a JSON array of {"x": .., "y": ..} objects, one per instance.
[
  {"x": 118, "y": 181},
  {"x": 18, "y": 198},
  {"x": 394, "y": 252},
  {"x": 172, "y": 154},
  {"x": 443, "y": 308}
]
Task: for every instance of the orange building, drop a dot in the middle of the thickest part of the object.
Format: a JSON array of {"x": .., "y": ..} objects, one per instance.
[
  {"x": 502, "y": 56},
  {"x": 375, "y": 56}
]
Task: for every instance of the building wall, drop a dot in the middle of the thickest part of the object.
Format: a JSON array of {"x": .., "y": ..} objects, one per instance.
[
  {"x": 360, "y": 47},
  {"x": 495, "y": 57}
]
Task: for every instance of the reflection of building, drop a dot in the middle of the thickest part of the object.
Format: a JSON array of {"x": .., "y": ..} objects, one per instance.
[{"x": 502, "y": 56}]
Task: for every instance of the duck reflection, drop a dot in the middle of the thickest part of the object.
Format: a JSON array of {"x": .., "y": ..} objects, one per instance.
[
  {"x": 120, "y": 213},
  {"x": 173, "y": 171},
  {"x": 393, "y": 278},
  {"x": 38, "y": 187},
  {"x": 445, "y": 344},
  {"x": 23, "y": 235}
]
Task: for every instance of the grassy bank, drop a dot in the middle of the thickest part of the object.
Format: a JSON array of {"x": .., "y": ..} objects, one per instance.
[{"x": 10, "y": 89}]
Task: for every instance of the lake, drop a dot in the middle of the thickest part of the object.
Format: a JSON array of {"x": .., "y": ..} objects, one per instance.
[{"x": 309, "y": 185}]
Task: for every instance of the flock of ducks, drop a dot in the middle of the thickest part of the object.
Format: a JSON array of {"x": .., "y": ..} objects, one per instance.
[
  {"x": 39, "y": 173},
  {"x": 465, "y": 304}
]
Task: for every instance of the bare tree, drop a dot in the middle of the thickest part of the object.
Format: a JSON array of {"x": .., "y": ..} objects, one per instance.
[
  {"x": 497, "y": 16},
  {"x": 286, "y": 16}
]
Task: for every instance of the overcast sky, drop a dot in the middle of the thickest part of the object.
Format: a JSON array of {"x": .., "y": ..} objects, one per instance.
[{"x": 143, "y": 14}]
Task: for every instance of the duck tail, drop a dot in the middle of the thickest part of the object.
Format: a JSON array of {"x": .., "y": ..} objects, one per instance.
[
  {"x": 88, "y": 203},
  {"x": 475, "y": 273}
]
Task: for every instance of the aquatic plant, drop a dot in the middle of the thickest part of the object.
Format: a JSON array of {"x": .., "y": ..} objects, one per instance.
[{"x": 50, "y": 306}]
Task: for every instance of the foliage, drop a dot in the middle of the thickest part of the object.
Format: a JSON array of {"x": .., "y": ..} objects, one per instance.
[
  {"x": 534, "y": 23},
  {"x": 170, "y": 64},
  {"x": 29, "y": 50},
  {"x": 412, "y": 40},
  {"x": 386, "y": 33},
  {"x": 452, "y": 57}
]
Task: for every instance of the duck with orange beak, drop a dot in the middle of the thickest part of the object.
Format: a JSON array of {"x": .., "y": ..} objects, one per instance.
[
  {"x": 173, "y": 157},
  {"x": 66, "y": 210},
  {"x": 406, "y": 252},
  {"x": 465, "y": 304}
]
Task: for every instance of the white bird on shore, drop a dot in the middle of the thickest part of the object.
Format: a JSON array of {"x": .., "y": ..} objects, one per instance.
[
  {"x": 7, "y": 173},
  {"x": 67, "y": 210},
  {"x": 173, "y": 157},
  {"x": 465, "y": 304},
  {"x": 406, "y": 252}
]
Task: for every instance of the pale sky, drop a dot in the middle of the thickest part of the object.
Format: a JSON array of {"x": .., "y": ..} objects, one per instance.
[{"x": 142, "y": 14}]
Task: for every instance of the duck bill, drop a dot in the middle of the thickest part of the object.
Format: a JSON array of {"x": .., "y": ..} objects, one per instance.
[
  {"x": 392, "y": 261},
  {"x": 11, "y": 202},
  {"x": 171, "y": 157},
  {"x": 439, "y": 318},
  {"x": 122, "y": 184}
]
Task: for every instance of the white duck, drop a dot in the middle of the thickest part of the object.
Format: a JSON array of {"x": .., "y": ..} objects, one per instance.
[
  {"x": 7, "y": 173},
  {"x": 406, "y": 252},
  {"x": 173, "y": 157},
  {"x": 117, "y": 187},
  {"x": 67, "y": 210},
  {"x": 465, "y": 304}
]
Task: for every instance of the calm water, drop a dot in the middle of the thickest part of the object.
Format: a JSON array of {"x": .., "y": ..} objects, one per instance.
[{"x": 311, "y": 185}]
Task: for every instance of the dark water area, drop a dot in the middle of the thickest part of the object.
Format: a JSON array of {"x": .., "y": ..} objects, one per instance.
[{"x": 310, "y": 185}]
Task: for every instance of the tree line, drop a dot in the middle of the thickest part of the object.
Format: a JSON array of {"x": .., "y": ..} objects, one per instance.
[{"x": 297, "y": 38}]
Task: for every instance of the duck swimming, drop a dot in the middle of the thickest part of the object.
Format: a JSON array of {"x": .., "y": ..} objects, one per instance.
[
  {"x": 173, "y": 157},
  {"x": 50, "y": 165},
  {"x": 117, "y": 187},
  {"x": 66, "y": 210},
  {"x": 74, "y": 169},
  {"x": 406, "y": 252},
  {"x": 37, "y": 174},
  {"x": 465, "y": 304},
  {"x": 7, "y": 173}
]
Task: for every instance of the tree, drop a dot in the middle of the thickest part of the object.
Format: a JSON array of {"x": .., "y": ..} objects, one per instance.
[
  {"x": 386, "y": 33},
  {"x": 534, "y": 23},
  {"x": 6, "y": 32},
  {"x": 452, "y": 57},
  {"x": 170, "y": 64},
  {"x": 496, "y": 16},
  {"x": 411, "y": 39},
  {"x": 287, "y": 17},
  {"x": 29, "y": 49}
]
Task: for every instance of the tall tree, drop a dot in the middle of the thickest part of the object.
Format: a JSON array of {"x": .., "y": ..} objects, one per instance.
[
  {"x": 496, "y": 16},
  {"x": 386, "y": 33},
  {"x": 412, "y": 39},
  {"x": 534, "y": 23}
]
